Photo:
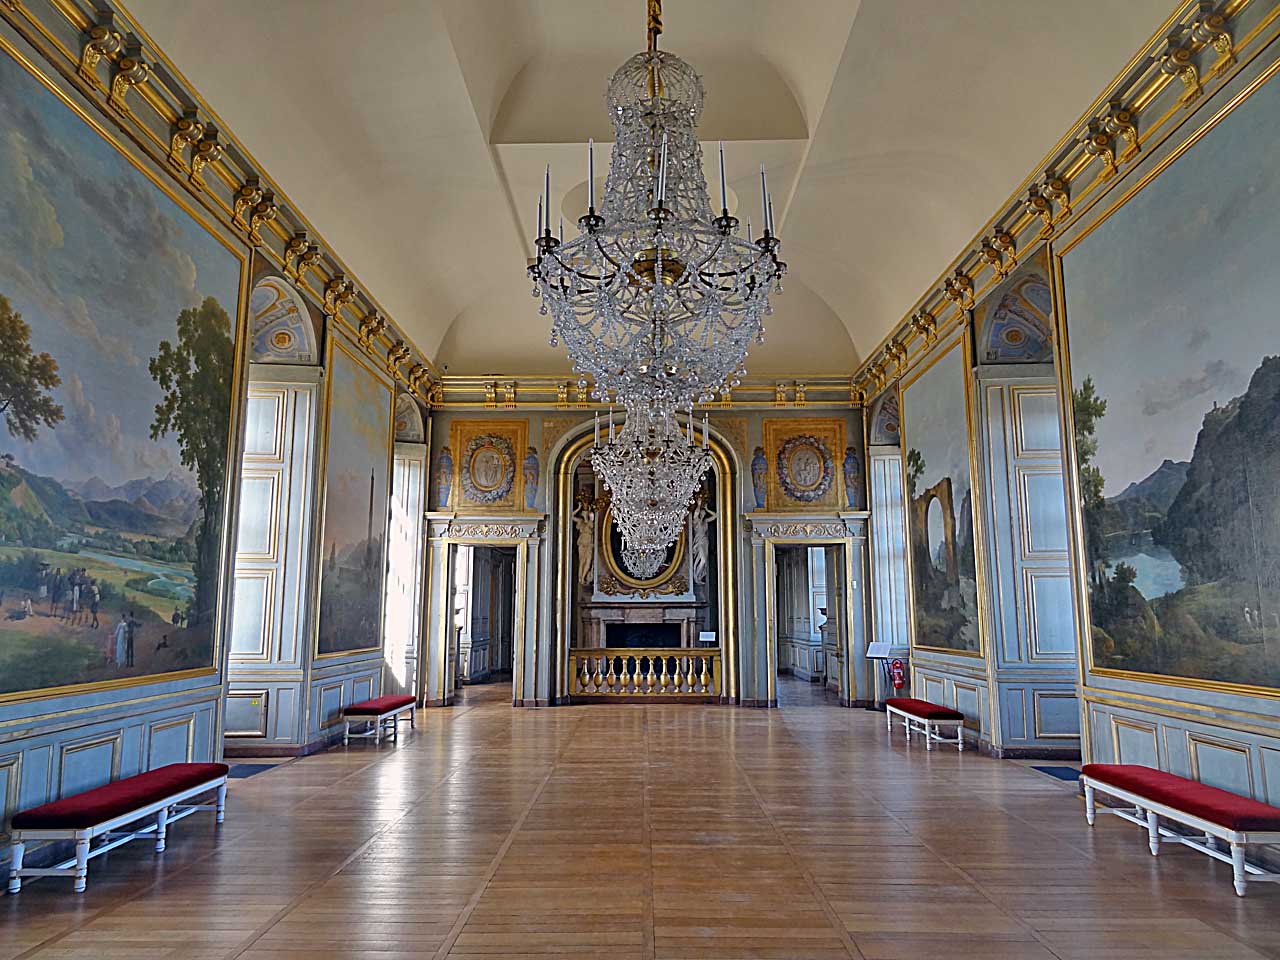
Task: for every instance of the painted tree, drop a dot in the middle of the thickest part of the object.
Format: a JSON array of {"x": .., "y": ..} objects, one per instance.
[
  {"x": 1089, "y": 408},
  {"x": 196, "y": 375},
  {"x": 26, "y": 377}
]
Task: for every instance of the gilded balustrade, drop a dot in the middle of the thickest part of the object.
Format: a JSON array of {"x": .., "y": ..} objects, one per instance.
[{"x": 661, "y": 673}]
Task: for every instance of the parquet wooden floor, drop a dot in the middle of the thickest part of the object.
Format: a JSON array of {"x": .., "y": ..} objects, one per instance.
[{"x": 627, "y": 832}]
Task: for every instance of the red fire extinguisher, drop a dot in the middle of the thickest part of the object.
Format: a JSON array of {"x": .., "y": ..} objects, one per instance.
[{"x": 898, "y": 674}]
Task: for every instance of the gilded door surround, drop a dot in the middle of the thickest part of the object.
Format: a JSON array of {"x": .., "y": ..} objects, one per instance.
[
  {"x": 446, "y": 531},
  {"x": 572, "y": 448},
  {"x": 845, "y": 530}
]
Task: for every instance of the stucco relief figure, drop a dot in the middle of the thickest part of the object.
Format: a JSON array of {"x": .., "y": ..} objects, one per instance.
[
  {"x": 584, "y": 521},
  {"x": 759, "y": 475},
  {"x": 443, "y": 478},
  {"x": 531, "y": 469},
  {"x": 703, "y": 517},
  {"x": 852, "y": 478}
]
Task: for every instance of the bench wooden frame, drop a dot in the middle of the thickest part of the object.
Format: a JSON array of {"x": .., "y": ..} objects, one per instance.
[
  {"x": 378, "y": 723},
  {"x": 167, "y": 811},
  {"x": 1147, "y": 813},
  {"x": 927, "y": 726}
]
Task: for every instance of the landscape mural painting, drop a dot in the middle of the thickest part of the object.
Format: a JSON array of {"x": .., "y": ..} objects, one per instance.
[
  {"x": 1176, "y": 380},
  {"x": 116, "y": 366},
  {"x": 944, "y": 576},
  {"x": 356, "y": 506}
]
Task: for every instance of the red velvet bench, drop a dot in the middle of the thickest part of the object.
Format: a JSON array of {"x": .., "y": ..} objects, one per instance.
[
  {"x": 921, "y": 716},
  {"x": 1214, "y": 814},
  {"x": 379, "y": 713},
  {"x": 101, "y": 812}
]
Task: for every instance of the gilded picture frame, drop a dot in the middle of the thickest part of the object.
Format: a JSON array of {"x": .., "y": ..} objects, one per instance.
[{"x": 90, "y": 114}]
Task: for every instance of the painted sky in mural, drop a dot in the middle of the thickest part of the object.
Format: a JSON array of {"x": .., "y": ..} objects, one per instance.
[
  {"x": 940, "y": 513},
  {"x": 1173, "y": 325},
  {"x": 101, "y": 265},
  {"x": 355, "y": 516}
]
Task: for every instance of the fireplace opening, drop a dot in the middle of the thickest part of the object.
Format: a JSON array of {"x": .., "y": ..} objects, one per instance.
[{"x": 633, "y": 635}]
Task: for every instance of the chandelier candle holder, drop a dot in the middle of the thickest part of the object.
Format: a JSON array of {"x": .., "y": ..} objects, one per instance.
[{"x": 658, "y": 299}]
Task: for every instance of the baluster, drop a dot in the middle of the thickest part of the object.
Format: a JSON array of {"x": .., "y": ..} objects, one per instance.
[
  {"x": 612, "y": 678},
  {"x": 653, "y": 675},
  {"x": 663, "y": 680},
  {"x": 597, "y": 679},
  {"x": 584, "y": 679},
  {"x": 692, "y": 677},
  {"x": 706, "y": 673},
  {"x": 626, "y": 673}
]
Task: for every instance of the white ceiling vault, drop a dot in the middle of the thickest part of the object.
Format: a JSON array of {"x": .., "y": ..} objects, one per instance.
[{"x": 413, "y": 135}]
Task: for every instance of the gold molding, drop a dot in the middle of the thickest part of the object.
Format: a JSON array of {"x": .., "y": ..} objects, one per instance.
[
  {"x": 1036, "y": 696},
  {"x": 1069, "y": 178},
  {"x": 635, "y": 585},
  {"x": 172, "y": 723},
  {"x": 166, "y": 116}
]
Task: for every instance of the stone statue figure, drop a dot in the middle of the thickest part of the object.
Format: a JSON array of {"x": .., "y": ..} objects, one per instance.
[
  {"x": 530, "y": 479},
  {"x": 759, "y": 475},
  {"x": 703, "y": 517},
  {"x": 852, "y": 478},
  {"x": 443, "y": 478},
  {"x": 584, "y": 521}
]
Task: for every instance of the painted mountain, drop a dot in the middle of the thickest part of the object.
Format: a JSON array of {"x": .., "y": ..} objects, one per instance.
[{"x": 1192, "y": 552}]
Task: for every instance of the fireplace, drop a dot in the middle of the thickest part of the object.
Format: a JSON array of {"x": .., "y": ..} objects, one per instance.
[{"x": 632, "y": 635}]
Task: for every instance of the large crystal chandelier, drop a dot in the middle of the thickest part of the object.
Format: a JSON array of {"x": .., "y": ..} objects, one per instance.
[
  {"x": 652, "y": 468},
  {"x": 657, "y": 299}
]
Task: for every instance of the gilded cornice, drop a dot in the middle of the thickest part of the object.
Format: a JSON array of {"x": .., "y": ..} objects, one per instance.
[
  {"x": 564, "y": 393},
  {"x": 99, "y": 47},
  {"x": 1193, "y": 53}
]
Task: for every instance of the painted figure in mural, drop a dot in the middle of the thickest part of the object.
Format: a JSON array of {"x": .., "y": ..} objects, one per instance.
[
  {"x": 703, "y": 517},
  {"x": 530, "y": 478},
  {"x": 759, "y": 473},
  {"x": 852, "y": 478},
  {"x": 443, "y": 475},
  {"x": 584, "y": 520}
]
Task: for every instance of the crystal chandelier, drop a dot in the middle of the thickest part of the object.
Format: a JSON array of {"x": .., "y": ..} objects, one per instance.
[
  {"x": 657, "y": 299},
  {"x": 652, "y": 468}
]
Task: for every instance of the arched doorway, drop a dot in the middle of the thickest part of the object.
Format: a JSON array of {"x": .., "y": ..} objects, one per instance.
[{"x": 615, "y": 636}]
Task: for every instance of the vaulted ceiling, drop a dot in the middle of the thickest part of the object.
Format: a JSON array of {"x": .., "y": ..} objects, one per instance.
[{"x": 413, "y": 134}]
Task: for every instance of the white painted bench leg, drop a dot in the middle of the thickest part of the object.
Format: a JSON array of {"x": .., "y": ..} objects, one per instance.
[
  {"x": 929, "y": 733},
  {"x": 888, "y": 721},
  {"x": 1090, "y": 805},
  {"x": 346, "y": 732},
  {"x": 220, "y": 805},
  {"x": 1237, "y": 867},
  {"x": 82, "y": 865},
  {"x": 413, "y": 719},
  {"x": 959, "y": 738},
  {"x": 1153, "y": 832},
  {"x": 906, "y": 725},
  {"x": 15, "y": 865},
  {"x": 162, "y": 826}
]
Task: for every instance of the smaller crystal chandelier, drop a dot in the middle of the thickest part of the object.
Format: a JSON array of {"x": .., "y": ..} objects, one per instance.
[{"x": 652, "y": 467}]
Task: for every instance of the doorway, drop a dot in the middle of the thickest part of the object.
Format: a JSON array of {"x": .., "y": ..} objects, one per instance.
[
  {"x": 484, "y": 609},
  {"x": 809, "y": 624}
]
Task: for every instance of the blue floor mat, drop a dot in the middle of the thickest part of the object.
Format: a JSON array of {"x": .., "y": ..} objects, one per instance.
[
  {"x": 1069, "y": 774},
  {"x": 239, "y": 771}
]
